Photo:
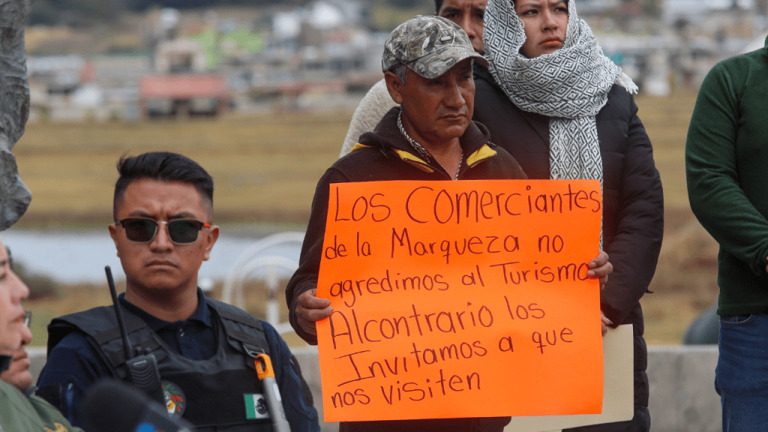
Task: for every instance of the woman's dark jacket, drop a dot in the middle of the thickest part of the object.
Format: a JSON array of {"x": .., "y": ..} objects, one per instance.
[{"x": 633, "y": 211}]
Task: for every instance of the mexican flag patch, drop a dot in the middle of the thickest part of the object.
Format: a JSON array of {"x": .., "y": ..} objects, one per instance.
[{"x": 255, "y": 406}]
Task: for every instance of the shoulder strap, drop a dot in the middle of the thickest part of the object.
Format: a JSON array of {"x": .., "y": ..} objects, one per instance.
[
  {"x": 100, "y": 326},
  {"x": 245, "y": 330},
  {"x": 100, "y": 318}
]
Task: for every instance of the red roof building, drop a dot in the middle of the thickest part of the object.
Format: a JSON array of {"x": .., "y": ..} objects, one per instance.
[{"x": 179, "y": 94}]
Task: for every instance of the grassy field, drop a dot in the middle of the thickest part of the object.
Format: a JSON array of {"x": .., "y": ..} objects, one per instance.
[{"x": 265, "y": 169}]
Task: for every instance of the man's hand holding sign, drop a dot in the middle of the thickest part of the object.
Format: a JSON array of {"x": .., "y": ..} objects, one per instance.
[{"x": 458, "y": 299}]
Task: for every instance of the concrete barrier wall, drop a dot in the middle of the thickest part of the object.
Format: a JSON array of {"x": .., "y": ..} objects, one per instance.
[
  {"x": 683, "y": 396},
  {"x": 681, "y": 379}
]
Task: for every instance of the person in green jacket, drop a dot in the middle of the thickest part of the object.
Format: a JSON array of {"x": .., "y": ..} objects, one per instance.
[
  {"x": 726, "y": 158},
  {"x": 19, "y": 411}
]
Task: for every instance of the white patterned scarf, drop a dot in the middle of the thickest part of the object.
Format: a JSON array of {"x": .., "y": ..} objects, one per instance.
[{"x": 570, "y": 85}]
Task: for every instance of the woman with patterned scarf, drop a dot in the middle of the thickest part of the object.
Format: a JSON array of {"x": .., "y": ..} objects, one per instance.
[{"x": 552, "y": 99}]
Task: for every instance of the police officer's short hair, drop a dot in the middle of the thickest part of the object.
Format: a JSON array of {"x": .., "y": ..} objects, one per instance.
[{"x": 164, "y": 167}]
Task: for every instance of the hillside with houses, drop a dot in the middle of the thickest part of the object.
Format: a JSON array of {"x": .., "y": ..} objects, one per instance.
[{"x": 167, "y": 62}]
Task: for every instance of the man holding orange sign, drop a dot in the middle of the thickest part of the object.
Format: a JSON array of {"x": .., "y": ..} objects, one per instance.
[{"x": 427, "y": 64}]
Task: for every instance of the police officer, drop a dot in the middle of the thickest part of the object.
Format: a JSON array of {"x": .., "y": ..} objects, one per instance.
[{"x": 204, "y": 349}]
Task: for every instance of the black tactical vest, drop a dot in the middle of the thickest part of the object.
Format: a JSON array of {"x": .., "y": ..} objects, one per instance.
[{"x": 211, "y": 394}]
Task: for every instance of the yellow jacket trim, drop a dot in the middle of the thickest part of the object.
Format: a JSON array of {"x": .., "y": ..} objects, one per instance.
[
  {"x": 480, "y": 154},
  {"x": 358, "y": 146},
  {"x": 414, "y": 160}
]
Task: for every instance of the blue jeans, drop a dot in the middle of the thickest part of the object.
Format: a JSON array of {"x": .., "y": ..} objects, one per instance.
[{"x": 741, "y": 377}]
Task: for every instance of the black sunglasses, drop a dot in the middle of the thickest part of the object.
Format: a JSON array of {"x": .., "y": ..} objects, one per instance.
[{"x": 181, "y": 231}]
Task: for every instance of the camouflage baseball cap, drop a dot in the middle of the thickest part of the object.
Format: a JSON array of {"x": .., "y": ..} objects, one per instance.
[{"x": 429, "y": 46}]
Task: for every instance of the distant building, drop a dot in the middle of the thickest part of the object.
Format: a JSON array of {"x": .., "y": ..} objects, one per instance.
[
  {"x": 698, "y": 7},
  {"x": 183, "y": 94},
  {"x": 591, "y": 6},
  {"x": 58, "y": 74},
  {"x": 181, "y": 85},
  {"x": 179, "y": 56}
]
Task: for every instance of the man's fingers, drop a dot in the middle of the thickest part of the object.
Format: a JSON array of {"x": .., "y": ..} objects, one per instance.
[
  {"x": 309, "y": 301},
  {"x": 308, "y": 326},
  {"x": 307, "y": 316},
  {"x": 315, "y": 314}
]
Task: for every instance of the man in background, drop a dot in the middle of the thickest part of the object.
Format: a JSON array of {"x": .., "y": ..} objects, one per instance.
[{"x": 726, "y": 160}]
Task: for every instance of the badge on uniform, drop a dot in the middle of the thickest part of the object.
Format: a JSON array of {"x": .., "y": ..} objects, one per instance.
[
  {"x": 175, "y": 400},
  {"x": 256, "y": 406}
]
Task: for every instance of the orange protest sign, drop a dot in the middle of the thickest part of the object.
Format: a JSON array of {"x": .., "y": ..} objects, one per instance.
[{"x": 461, "y": 299}]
